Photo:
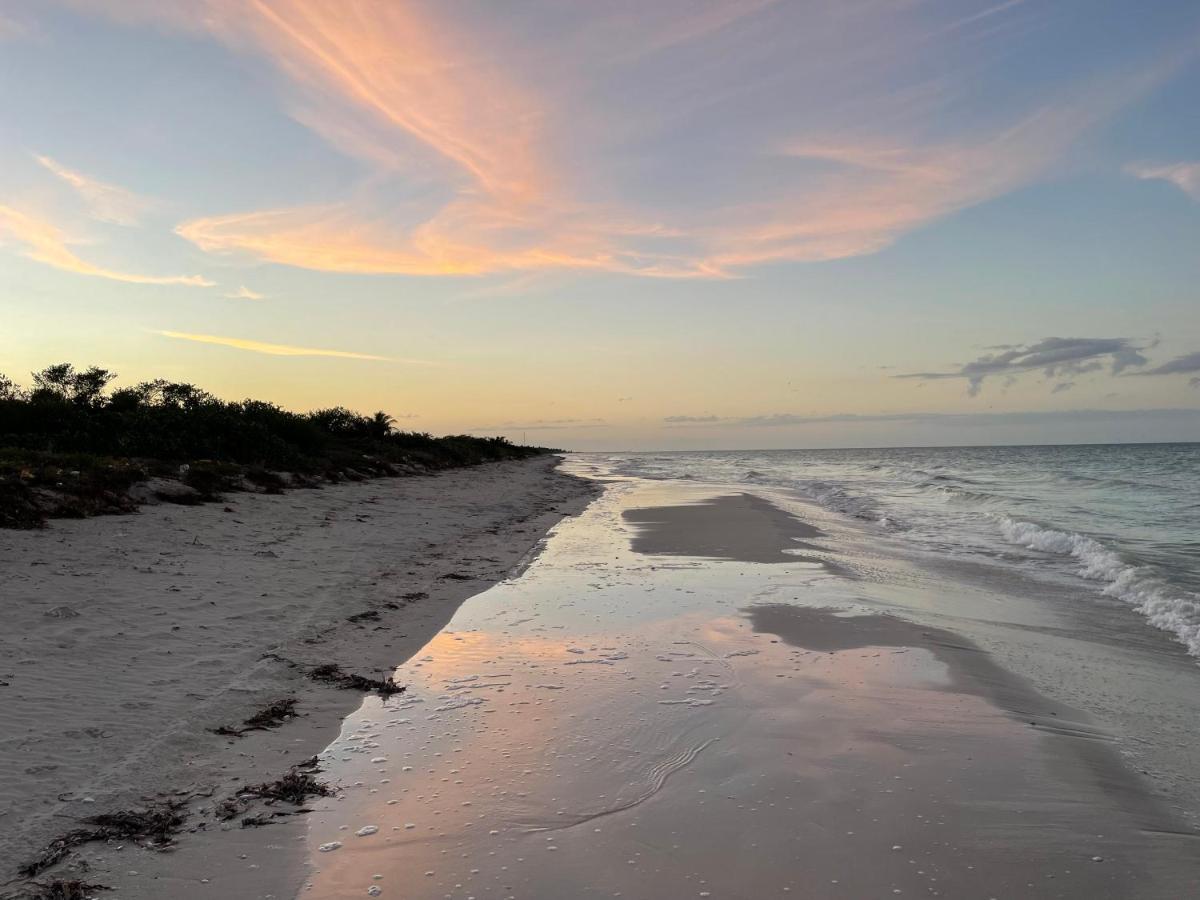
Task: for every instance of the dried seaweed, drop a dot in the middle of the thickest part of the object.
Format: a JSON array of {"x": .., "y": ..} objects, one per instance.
[
  {"x": 331, "y": 673},
  {"x": 271, "y": 716},
  {"x": 294, "y": 787},
  {"x": 62, "y": 889},
  {"x": 154, "y": 828}
]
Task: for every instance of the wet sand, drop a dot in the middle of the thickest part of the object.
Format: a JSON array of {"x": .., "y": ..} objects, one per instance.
[
  {"x": 735, "y": 526},
  {"x": 650, "y": 712},
  {"x": 127, "y": 639}
]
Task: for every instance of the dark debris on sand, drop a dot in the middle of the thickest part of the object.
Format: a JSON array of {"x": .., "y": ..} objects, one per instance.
[
  {"x": 271, "y": 716},
  {"x": 295, "y": 787},
  {"x": 154, "y": 828},
  {"x": 58, "y": 889},
  {"x": 332, "y": 673}
]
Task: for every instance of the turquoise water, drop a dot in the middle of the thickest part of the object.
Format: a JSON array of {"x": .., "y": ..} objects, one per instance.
[{"x": 1119, "y": 522}]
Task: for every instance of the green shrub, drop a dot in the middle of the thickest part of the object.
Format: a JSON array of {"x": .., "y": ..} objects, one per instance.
[{"x": 68, "y": 432}]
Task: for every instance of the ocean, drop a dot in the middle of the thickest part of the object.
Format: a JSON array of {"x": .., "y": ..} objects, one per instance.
[{"x": 1105, "y": 522}]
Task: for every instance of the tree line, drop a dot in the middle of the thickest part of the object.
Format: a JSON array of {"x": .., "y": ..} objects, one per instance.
[{"x": 75, "y": 411}]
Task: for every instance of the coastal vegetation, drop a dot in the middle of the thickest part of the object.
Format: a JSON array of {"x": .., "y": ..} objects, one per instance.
[{"x": 71, "y": 445}]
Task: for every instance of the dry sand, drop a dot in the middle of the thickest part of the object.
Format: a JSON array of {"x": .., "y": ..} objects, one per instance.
[{"x": 127, "y": 639}]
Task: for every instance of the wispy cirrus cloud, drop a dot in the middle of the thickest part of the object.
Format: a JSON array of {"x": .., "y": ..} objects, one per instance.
[
  {"x": 459, "y": 240},
  {"x": 46, "y": 243},
  {"x": 278, "y": 349},
  {"x": 1184, "y": 175},
  {"x": 401, "y": 86},
  {"x": 106, "y": 202},
  {"x": 244, "y": 293},
  {"x": 1052, "y": 356},
  {"x": 553, "y": 140},
  {"x": 537, "y": 149}
]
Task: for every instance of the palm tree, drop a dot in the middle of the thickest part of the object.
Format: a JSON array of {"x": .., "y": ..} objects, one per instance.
[{"x": 380, "y": 424}]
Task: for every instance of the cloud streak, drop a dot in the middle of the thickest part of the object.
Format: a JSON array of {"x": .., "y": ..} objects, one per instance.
[
  {"x": 1184, "y": 175},
  {"x": 1053, "y": 356},
  {"x": 523, "y": 158},
  {"x": 276, "y": 349},
  {"x": 457, "y": 241},
  {"x": 1188, "y": 364},
  {"x": 107, "y": 202},
  {"x": 244, "y": 293},
  {"x": 45, "y": 243}
]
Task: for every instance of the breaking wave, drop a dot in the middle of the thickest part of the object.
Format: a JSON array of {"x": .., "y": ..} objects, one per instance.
[{"x": 1164, "y": 605}]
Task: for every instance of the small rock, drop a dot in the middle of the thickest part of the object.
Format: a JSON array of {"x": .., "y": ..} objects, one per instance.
[
  {"x": 367, "y": 830},
  {"x": 62, "y": 612},
  {"x": 332, "y": 845}
]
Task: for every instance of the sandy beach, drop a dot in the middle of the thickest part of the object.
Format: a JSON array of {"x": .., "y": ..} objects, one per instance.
[
  {"x": 127, "y": 640},
  {"x": 689, "y": 691}
]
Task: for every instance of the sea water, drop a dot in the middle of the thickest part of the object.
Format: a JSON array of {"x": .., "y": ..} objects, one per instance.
[{"x": 1114, "y": 522}]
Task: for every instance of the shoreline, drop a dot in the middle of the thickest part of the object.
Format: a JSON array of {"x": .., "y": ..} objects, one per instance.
[
  {"x": 682, "y": 664},
  {"x": 660, "y": 709},
  {"x": 132, "y": 638}
]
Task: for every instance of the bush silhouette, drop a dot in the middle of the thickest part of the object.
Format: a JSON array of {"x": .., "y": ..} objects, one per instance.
[{"x": 69, "y": 427}]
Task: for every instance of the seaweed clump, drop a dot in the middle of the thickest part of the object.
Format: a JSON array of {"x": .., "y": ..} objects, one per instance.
[
  {"x": 295, "y": 788},
  {"x": 154, "y": 828},
  {"x": 62, "y": 889},
  {"x": 271, "y": 716},
  {"x": 332, "y": 673}
]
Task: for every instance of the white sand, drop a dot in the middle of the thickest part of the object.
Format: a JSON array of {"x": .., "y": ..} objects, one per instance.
[{"x": 125, "y": 639}]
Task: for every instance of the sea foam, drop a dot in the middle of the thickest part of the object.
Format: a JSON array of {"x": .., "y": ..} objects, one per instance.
[{"x": 1172, "y": 609}]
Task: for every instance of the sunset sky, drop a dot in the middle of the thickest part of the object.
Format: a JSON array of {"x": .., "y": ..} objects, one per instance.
[{"x": 618, "y": 224}]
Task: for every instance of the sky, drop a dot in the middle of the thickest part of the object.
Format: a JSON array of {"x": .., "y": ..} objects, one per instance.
[{"x": 619, "y": 225}]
